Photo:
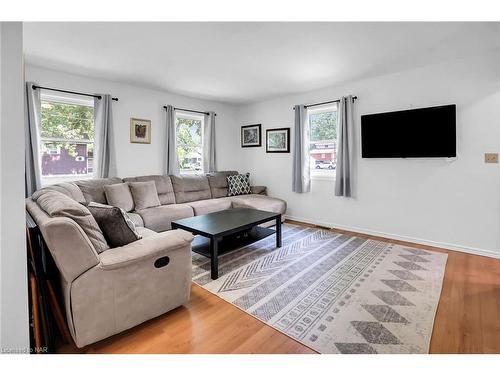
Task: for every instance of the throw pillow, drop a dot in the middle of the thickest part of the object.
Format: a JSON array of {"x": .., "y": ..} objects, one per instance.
[
  {"x": 114, "y": 222},
  {"x": 56, "y": 204},
  {"x": 144, "y": 194},
  {"x": 238, "y": 184},
  {"x": 119, "y": 195}
]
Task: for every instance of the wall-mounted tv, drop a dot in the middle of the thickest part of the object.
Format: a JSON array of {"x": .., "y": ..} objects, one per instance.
[{"x": 416, "y": 133}]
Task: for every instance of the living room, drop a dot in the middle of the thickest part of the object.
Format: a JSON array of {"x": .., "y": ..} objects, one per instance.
[{"x": 301, "y": 187}]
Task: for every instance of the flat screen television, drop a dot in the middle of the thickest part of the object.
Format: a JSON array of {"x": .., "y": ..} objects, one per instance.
[{"x": 415, "y": 133}]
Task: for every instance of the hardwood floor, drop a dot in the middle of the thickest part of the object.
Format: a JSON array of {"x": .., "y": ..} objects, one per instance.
[
  {"x": 207, "y": 324},
  {"x": 467, "y": 320}
]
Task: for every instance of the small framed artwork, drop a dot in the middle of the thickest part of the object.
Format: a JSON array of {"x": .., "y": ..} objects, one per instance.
[
  {"x": 278, "y": 140},
  {"x": 140, "y": 130},
  {"x": 251, "y": 136}
]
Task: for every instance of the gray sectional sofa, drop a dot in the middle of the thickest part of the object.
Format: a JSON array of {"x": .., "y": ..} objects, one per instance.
[{"x": 108, "y": 290}]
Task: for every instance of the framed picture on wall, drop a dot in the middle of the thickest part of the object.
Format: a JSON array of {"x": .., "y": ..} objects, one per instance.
[
  {"x": 251, "y": 135},
  {"x": 278, "y": 140},
  {"x": 140, "y": 130}
]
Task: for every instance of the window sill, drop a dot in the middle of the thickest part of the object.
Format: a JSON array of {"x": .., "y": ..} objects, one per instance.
[
  {"x": 191, "y": 173},
  {"x": 57, "y": 179},
  {"x": 323, "y": 178}
]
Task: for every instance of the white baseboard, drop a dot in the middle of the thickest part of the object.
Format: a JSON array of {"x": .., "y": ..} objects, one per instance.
[{"x": 444, "y": 245}]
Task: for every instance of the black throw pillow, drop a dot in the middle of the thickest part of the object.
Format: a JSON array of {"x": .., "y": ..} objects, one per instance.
[{"x": 115, "y": 224}]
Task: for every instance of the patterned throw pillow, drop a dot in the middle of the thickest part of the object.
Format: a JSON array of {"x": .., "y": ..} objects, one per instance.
[{"x": 238, "y": 184}]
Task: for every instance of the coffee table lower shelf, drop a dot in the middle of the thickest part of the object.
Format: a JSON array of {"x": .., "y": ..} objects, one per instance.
[{"x": 201, "y": 245}]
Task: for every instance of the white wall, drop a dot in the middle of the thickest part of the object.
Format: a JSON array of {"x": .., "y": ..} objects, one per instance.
[
  {"x": 13, "y": 277},
  {"x": 453, "y": 204},
  {"x": 139, "y": 159}
]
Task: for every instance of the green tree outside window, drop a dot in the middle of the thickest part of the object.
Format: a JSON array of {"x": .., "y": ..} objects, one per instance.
[
  {"x": 66, "y": 121},
  {"x": 323, "y": 126},
  {"x": 189, "y": 143}
]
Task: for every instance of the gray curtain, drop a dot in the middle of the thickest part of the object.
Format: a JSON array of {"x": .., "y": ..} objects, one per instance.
[
  {"x": 104, "y": 160},
  {"x": 171, "y": 162},
  {"x": 345, "y": 126},
  {"x": 209, "y": 143},
  {"x": 33, "y": 173},
  {"x": 301, "y": 167}
]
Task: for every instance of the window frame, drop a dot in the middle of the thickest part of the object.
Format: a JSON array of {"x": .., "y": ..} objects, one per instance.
[
  {"x": 331, "y": 107},
  {"x": 68, "y": 99},
  {"x": 190, "y": 116}
]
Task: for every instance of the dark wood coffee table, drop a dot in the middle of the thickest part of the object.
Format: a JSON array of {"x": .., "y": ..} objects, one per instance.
[{"x": 227, "y": 230}]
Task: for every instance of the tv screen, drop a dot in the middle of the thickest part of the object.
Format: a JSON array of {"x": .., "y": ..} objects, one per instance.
[{"x": 416, "y": 133}]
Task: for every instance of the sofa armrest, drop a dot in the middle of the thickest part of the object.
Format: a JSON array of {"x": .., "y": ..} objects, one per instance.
[
  {"x": 69, "y": 246},
  {"x": 258, "y": 190},
  {"x": 149, "y": 247}
]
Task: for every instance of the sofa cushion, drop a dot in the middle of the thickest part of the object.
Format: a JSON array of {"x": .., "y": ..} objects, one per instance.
[
  {"x": 159, "y": 218},
  {"x": 258, "y": 190},
  {"x": 144, "y": 194},
  {"x": 115, "y": 224},
  {"x": 56, "y": 204},
  {"x": 218, "y": 183},
  {"x": 145, "y": 232},
  {"x": 238, "y": 184},
  {"x": 190, "y": 188},
  {"x": 163, "y": 186},
  {"x": 136, "y": 219},
  {"x": 69, "y": 189},
  {"x": 207, "y": 206},
  {"x": 93, "y": 190},
  {"x": 260, "y": 202},
  {"x": 119, "y": 195}
]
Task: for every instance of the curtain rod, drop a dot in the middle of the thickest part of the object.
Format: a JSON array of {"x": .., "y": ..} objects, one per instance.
[
  {"x": 328, "y": 102},
  {"x": 190, "y": 110},
  {"x": 70, "y": 92}
]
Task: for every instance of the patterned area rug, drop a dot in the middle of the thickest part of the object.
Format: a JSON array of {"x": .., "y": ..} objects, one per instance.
[{"x": 334, "y": 293}]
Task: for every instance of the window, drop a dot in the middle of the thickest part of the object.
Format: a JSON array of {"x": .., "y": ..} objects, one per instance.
[
  {"x": 67, "y": 139},
  {"x": 323, "y": 141},
  {"x": 189, "y": 130}
]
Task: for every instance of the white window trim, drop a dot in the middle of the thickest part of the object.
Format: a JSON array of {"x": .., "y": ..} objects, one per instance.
[
  {"x": 197, "y": 117},
  {"x": 318, "y": 110},
  {"x": 322, "y": 178},
  {"x": 67, "y": 99},
  {"x": 189, "y": 115},
  {"x": 322, "y": 109},
  {"x": 71, "y": 100}
]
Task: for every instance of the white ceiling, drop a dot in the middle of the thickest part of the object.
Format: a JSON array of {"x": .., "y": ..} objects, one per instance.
[{"x": 245, "y": 62}]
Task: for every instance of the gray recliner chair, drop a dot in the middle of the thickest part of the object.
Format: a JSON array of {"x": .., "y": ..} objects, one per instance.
[{"x": 108, "y": 292}]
